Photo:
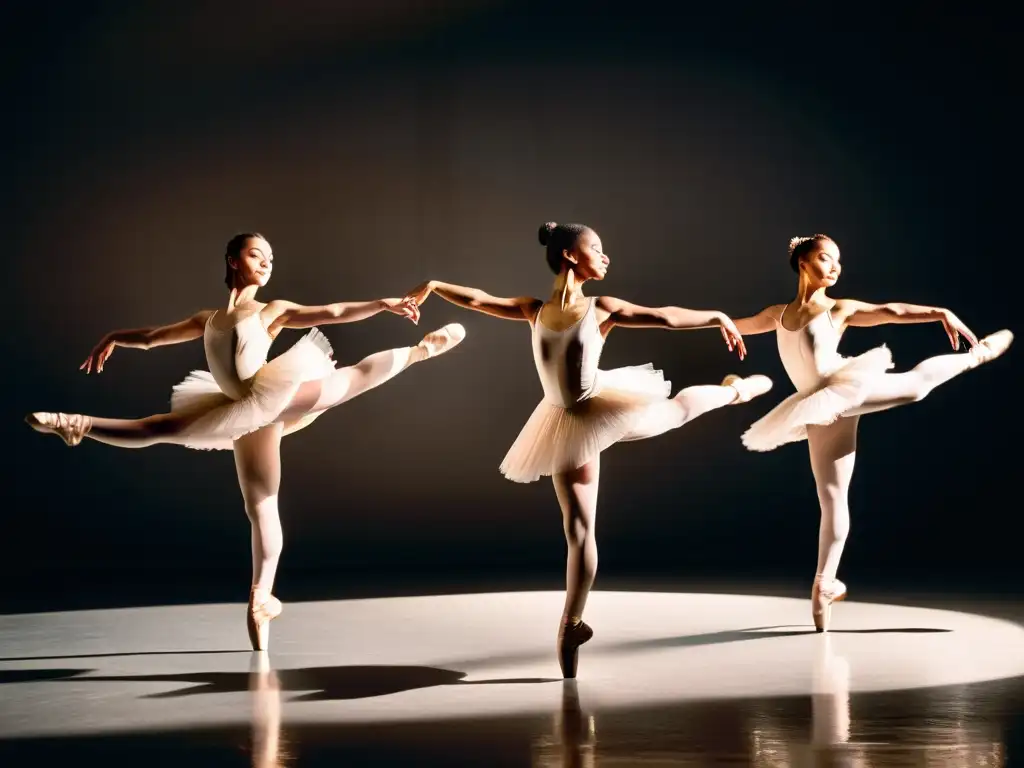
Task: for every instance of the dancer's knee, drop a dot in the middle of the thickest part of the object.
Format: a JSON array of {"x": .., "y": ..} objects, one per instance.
[
  {"x": 260, "y": 506},
  {"x": 577, "y": 530},
  {"x": 922, "y": 386},
  {"x": 162, "y": 426},
  {"x": 834, "y": 509}
]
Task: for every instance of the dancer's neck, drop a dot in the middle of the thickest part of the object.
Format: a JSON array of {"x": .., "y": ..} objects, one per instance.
[
  {"x": 808, "y": 293},
  {"x": 240, "y": 296},
  {"x": 568, "y": 289}
]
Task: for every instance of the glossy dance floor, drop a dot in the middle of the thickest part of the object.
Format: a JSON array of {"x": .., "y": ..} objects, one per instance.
[{"x": 670, "y": 679}]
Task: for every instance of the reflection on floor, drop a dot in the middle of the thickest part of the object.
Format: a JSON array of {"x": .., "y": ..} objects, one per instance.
[{"x": 266, "y": 710}]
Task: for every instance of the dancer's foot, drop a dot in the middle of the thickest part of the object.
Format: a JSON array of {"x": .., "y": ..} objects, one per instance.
[
  {"x": 571, "y": 635},
  {"x": 263, "y": 607},
  {"x": 71, "y": 427},
  {"x": 823, "y": 594},
  {"x": 747, "y": 388},
  {"x": 440, "y": 341},
  {"x": 992, "y": 346}
]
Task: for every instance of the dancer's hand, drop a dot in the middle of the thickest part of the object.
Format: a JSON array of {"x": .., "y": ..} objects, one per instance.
[
  {"x": 955, "y": 329},
  {"x": 732, "y": 336},
  {"x": 406, "y": 308},
  {"x": 420, "y": 293},
  {"x": 98, "y": 356}
]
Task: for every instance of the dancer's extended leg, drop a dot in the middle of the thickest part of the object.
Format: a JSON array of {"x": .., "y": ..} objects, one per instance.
[
  {"x": 895, "y": 389},
  {"x": 370, "y": 372},
  {"x": 342, "y": 385},
  {"x": 691, "y": 402}
]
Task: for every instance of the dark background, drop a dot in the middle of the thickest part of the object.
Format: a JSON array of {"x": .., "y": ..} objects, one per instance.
[{"x": 378, "y": 144}]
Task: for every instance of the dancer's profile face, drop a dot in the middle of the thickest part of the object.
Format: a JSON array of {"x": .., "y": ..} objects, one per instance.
[
  {"x": 822, "y": 264},
  {"x": 255, "y": 262},
  {"x": 590, "y": 262}
]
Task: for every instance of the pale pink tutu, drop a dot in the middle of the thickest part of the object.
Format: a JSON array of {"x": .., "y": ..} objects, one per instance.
[
  {"x": 220, "y": 420},
  {"x": 839, "y": 392},
  {"x": 556, "y": 439}
]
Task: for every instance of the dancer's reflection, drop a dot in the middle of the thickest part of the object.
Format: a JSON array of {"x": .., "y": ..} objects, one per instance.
[
  {"x": 777, "y": 735},
  {"x": 830, "y": 710},
  {"x": 572, "y": 742},
  {"x": 830, "y": 697},
  {"x": 265, "y": 688}
]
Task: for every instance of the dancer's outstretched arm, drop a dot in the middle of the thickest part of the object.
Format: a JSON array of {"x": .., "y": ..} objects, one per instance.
[
  {"x": 630, "y": 315},
  {"x": 762, "y": 322},
  {"x": 146, "y": 338},
  {"x": 287, "y": 314},
  {"x": 862, "y": 314},
  {"x": 518, "y": 308}
]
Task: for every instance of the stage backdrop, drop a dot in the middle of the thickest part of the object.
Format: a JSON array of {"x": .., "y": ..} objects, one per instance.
[{"x": 377, "y": 145}]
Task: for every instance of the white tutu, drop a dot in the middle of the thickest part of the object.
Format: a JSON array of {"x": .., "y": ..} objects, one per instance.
[
  {"x": 556, "y": 439},
  {"x": 841, "y": 391},
  {"x": 220, "y": 420}
]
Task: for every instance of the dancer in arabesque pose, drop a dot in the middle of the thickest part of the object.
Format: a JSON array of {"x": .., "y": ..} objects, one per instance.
[
  {"x": 834, "y": 391},
  {"x": 585, "y": 410},
  {"x": 245, "y": 403}
]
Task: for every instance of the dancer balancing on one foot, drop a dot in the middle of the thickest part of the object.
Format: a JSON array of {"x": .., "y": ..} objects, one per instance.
[
  {"x": 834, "y": 391},
  {"x": 585, "y": 410},
  {"x": 245, "y": 403}
]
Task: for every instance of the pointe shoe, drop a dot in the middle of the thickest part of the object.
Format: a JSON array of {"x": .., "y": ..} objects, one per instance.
[
  {"x": 823, "y": 594},
  {"x": 747, "y": 388},
  {"x": 570, "y": 638},
  {"x": 71, "y": 427},
  {"x": 258, "y": 617},
  {"x": 992, "y": 346},
  {"x": 442, "y": 340}
]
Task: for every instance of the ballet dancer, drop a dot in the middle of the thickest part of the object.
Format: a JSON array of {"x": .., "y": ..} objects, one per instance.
[
  {"x": 833, "y": 391},
  {"x": 585, "y": 410},
  {"x": 245, "y": 403}
]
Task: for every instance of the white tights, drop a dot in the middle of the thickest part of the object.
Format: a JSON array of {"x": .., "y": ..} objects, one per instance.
[
  {"x": 258, "y": 455},
  {"x": 313, "y": 396},
  {"x": 258, "y": 464},
  {"x": 577, "y": 490},
  {"x": 833, "y": 448}
]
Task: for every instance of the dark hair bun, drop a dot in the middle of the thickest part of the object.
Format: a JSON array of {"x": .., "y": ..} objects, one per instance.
[{"x": 544, "y": 233}]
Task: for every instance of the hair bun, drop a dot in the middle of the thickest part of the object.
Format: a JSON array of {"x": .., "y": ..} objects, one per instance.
[{"x": 544, "y": 233}]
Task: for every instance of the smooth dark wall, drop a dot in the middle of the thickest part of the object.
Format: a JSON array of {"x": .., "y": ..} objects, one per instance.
[{"x": 380, "y": 145}]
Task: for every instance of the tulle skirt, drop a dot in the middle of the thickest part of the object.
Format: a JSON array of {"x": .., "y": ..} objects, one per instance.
[
  {"x": 557, "y": 439},
  {"x": 220, "y": 420},
  {"x": 843, "y": 390}
]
